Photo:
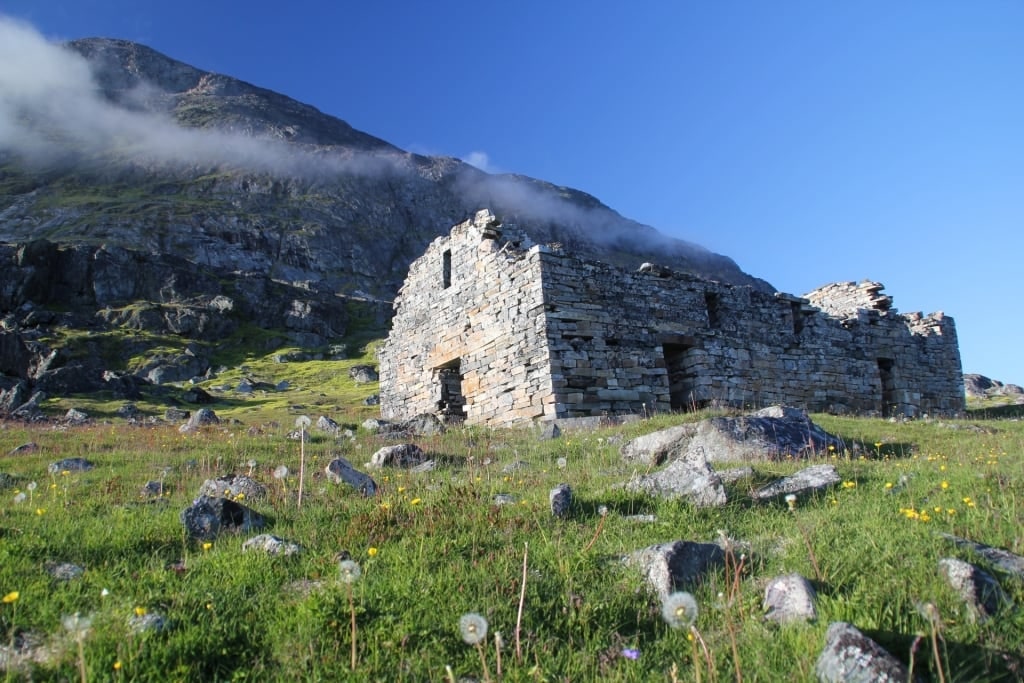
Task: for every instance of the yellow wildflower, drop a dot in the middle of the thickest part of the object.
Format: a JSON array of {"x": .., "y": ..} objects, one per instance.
[
  {"x": 11, "y": 597},
  {"x": 207, "y": 545},
  {"x": 117, "y": 665},
  {"x": 944, "y": 485},
  {"x": 415, "y": 501},
  {"x": 372, "y": 552},
  {"x": 140, "y": 611}
]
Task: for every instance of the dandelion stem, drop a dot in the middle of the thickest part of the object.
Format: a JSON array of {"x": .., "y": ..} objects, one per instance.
[
  {"x": 483, "y": 662},
  {"x": 352, "y": 612},
  {"x": 497, "y": 653},
  {"x": 597, "y": 532},
  {"x": 522, "y": 600},
  {"x": 302, "y": 460}
]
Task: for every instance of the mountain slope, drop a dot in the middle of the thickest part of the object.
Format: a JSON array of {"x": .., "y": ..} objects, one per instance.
[{"x": 157, "y": 156}]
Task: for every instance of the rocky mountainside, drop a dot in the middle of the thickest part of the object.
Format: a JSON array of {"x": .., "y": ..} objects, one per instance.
[
  {"x": 139, "y": 192},
  {"x": 232, "y": 176}
]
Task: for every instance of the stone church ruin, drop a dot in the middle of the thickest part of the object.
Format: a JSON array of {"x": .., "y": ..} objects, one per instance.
[{"x": 494, "y": 330}]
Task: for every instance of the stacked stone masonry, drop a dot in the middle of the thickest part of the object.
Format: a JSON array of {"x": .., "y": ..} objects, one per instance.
[{"x": 494, "y": 330}]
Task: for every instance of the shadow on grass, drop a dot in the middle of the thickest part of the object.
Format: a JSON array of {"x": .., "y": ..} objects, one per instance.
[
  {"x": 996, "y": 412},
  {"x": 961, "y": 661}
]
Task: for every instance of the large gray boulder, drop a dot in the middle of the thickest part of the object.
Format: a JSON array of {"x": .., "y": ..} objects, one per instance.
[
  {"x": 773, "y": 433},
  {"x": 200, "y": 418}
]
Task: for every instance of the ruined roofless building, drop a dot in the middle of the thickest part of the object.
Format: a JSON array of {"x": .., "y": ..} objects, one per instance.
[{"x": 493, "y": 330}]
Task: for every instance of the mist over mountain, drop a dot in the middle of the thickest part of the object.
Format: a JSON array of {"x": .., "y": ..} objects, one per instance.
[{"x": 108, "y": 142}]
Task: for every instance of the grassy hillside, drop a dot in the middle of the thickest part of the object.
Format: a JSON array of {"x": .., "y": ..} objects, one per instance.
[{"x": 432, "y": 547}]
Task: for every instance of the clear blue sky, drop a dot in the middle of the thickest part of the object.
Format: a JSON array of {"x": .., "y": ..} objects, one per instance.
[{"x": 810, "y": 141}]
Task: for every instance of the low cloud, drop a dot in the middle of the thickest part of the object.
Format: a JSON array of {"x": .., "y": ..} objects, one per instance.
[
  {"x": 480, "y": 160},
  {"x": 52, "y": 107}
]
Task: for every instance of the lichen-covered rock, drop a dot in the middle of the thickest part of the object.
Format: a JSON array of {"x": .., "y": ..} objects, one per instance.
[
  {"x": 851, "y": 657},
  {"x": 272, "y": 545}
]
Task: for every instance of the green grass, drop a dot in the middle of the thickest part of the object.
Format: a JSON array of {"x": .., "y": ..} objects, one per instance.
[{"x": 433, "y": 547}]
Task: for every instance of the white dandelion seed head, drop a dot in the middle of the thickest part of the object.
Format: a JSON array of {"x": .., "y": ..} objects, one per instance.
[
  {"x": 561, "y": 463},
  {"x": 20, "y": 498},
  {"x": 281, "y": 472},
  {"x": 76, "y": 624},
  {"x": 680, "y": 610},
  {"x": 473, "y": 628},
  {"x": 31, "y": 486},
  {"x": 350, "y": 571}
]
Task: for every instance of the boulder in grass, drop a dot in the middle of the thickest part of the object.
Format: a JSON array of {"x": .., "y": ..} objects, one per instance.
[
  {"x": 400, "y": 455},
  {"x": 70, "y": 465},
  {"x": 340, "y": 471},
  {"x": 849, "y": 656},
  {"x": 679, "y": 565},
  {"x": 808, "y": 480},
  {"x": 207, "y": 517},
  {"x": 200, "y": 418},
  {"x": 790, "y": 598},
  {"x": 978, "y": 589},
  {"x": 560, "y": 499},
  {"x": 272, "y": 545}
]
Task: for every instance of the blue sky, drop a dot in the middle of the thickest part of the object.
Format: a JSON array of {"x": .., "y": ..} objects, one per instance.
[{"x": 810, "y": 141}]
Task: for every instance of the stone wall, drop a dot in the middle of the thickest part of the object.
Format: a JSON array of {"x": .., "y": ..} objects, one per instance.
[
  {"x": 485, "y": 327},
  {"x": 535, "y": 333}
]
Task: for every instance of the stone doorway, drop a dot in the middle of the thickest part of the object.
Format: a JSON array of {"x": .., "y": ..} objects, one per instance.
[
  {"x": 682, "y": 361},
  {"x": 887, "y": 377},
  {"x": 451, "y": 402}
]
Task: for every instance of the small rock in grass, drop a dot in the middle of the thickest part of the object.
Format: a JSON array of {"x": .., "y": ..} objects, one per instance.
[
  {"x": 340, "y": 471},
  {"x": 978, "y": 589},
  {"x": 560, "y": 498},
  {"x": 790, "y": 598},
  {"x": 150, "y": 622},
  {"x": 70, "y": 465},
  {"x": 64, "y": 571},
  {"x": 272, "y": 545}
]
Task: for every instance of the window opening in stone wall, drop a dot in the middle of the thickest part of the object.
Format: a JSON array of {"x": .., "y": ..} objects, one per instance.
[
  {"x": 798, "y": 317},
  {"x": 451, "y": 402},
  {"x": 446, "y": 269},
  {"x": 683, "y": 369},
  {"x": 712, "y": 302},
  {"x": 887, "y": 377}
]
